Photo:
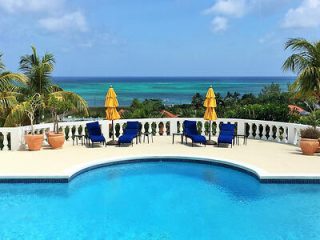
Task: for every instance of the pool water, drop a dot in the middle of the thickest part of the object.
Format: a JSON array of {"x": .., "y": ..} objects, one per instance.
[{"x": 159, "y": 201}]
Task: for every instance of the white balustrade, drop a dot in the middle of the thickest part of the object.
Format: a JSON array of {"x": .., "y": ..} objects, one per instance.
[{"x": 13, "y": 138}]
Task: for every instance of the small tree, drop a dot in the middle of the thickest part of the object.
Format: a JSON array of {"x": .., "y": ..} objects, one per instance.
[
  {"x": 59, "y": 108},
  {"x": 30, "y": 107}
]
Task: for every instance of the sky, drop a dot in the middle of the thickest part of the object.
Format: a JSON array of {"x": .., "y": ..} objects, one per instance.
[{"x": 157, "y": 37}]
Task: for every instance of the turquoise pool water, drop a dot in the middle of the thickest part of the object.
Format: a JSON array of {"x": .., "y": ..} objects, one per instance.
[{"x": 158, "y": 201}]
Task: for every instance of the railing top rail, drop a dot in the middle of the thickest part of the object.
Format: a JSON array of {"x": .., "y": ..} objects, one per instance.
[{"x": 77, "y": 123}]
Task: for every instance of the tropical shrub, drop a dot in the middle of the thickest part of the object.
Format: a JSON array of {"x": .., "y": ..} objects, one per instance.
[{"x": 310, "y": 132}]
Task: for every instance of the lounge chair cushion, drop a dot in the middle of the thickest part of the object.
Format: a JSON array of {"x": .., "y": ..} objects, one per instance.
[
  {"x": 190, "y": 128},
  {"x": 227, "y": 127},
  {"x": 131, "y": 131},
  {"x": 133, "y": 125},
  {"x": 225, "y": 139},
  {"x": 126, "y": 138},
  {"x": 94, "y": 128},
  {"x": 99, "y": 138},
  {"x": 198, "y": 138}
]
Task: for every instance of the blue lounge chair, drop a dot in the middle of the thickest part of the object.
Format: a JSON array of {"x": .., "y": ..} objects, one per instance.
[
  {"x": 190, "y": 131},
  {"x": 94, "y": 133},
  {"x": 132, "y": 131},
  {"x": 227, "y": 133}
]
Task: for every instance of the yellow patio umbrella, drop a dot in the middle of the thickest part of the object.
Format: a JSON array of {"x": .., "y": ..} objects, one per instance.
[
  {"x": 210, "y": 104},
  {"x": 111, "y": 105}
]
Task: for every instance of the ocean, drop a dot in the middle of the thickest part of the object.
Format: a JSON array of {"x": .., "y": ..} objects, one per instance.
[{"x": 172, "y": 90}]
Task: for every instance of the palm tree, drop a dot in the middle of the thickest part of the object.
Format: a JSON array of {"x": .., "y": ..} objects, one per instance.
[
  {"x": 38, "y": 70},
  {"x": 305, "y": 61},
  {"x": 9, "y": 89}
]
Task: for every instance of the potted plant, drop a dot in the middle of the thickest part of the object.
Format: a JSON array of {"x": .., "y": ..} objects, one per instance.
[
  {"x": 34, "y": 141},
  {"x": 309, "y": 141},
  {"x": 58, "y": 107}
]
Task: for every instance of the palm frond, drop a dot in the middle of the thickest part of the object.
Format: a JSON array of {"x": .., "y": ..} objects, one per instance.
[
  {"x": 17, "y": 115},
  {"x": 54, "y": 88},
  {"x": 8, "y": 100},
  {"x": 300, "y": 45},
  {"x": 2, "y": 66},
  {"x": 305, "y": 61},
  {"x": 38, "y": 71},
  {"x": 295, "y": 63},
  {"x": 79, "y": 104}
]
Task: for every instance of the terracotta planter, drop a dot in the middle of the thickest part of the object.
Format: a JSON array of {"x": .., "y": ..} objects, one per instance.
[
  {"x": 318, "y": 150},
  {"x": 34, "y": 142},
  {"x": 55, "y": 140},
  {"x": 309, "y": 146}
]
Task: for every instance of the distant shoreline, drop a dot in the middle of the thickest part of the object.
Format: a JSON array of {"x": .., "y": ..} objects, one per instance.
[{"x": 172, "y": 90}]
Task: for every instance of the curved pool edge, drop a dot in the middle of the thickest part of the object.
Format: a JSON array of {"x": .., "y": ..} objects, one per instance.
[
  {"x": 254, "y": 171},
  {"x": 69, "y": 174}
]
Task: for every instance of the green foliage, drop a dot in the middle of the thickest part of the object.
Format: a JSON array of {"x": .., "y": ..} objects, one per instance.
[
  {"x": 248, "y": 98},
  {"x": 27, "y": 108},
  {"x": 149, "y": 108},
  {"x": 9, "y": 92},
  {"x": 38, "y": 70},
  {"x": 197, "y": 101},
  {"x": 313, "y": 119},
  {"x": 269, "y": 112},
  {"x": 58, "y": 106}
]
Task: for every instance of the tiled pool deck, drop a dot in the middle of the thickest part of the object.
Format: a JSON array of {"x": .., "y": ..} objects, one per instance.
[{"x": 267, "y": 160}]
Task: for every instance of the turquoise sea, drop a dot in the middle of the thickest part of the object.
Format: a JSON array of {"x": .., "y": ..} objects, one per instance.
[{"x": 172, "y": 90}]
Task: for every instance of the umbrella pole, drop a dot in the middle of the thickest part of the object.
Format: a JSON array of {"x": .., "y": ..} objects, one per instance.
[
  {"x": 112, "y": 142},
  {"x": 112, "y": 130},
  {"x": 210, "y": 129},
  {"x": 210, "y": 142}
]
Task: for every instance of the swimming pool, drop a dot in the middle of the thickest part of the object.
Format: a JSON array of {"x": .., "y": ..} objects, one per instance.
[{"x": 160, "y": 200}]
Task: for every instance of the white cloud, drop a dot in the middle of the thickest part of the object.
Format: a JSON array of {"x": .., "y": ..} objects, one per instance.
[
  {"x": 71, "y": 21},
  {"x": 13, "y": 6},
  {"x": 225, "y": 9},
  {"x": 219, "y": 24},
  {"x": 307, "y": 15},
  {"x": 229, "y": 9},
  {"x": 232, "y": 8},
  {"x": 51, "y": 15}
]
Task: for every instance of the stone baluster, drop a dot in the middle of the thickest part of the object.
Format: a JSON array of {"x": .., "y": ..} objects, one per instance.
[
  {"x": 77, "y": 132},
  {"x": 284, "y": 135},
  {"x": 264, "y": 132},
  {"x": 203, "y": 128},
  {"x": 218, "y": 128},
  {"x": 250, "y": 130},
  {"x": 180, "y": 127},
  {"x": 157, "y": 128},
  {"x": 5, "y": 141},
  {"x": 257, "y": 131},
  {"x": 164, "y": 128},
  {"x": 143, "y": 128},
  {"x": 121, "y": 128},
  {"x": 63, "y": 128},
  {"x": 278, "y": 135},
  {"x": 68, "y": 132}
]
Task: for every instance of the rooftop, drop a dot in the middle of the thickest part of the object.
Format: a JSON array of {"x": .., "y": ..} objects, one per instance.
[{"x": 267, "y": 160}]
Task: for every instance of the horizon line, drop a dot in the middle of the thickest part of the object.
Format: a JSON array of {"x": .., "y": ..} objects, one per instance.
[{"x": 175, "y": 76}]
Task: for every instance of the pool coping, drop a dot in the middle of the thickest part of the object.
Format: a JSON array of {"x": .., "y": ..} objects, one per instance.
[{"x": 69, "y": 174}]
